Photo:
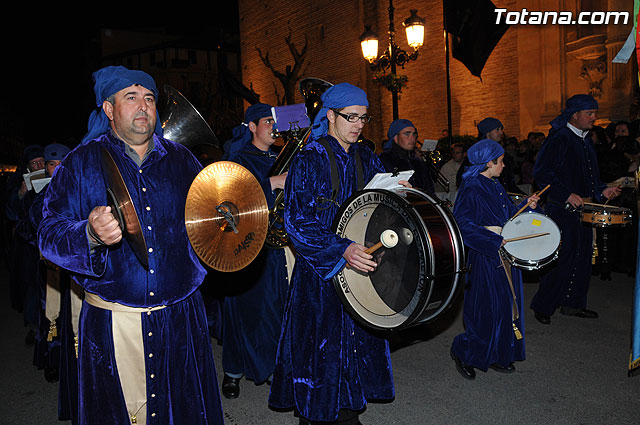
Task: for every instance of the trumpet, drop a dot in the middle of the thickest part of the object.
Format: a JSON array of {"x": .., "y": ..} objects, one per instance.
[{"x": 431, "y": 159}]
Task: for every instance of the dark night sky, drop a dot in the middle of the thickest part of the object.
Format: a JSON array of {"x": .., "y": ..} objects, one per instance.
[{"x": 48, "y": 74}]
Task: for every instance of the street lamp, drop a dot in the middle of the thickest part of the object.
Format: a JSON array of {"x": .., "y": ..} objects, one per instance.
[{"x": 393, "y": 56}]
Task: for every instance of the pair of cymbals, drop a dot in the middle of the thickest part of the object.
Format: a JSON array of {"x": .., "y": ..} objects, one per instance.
[{"x": 226, "y": 214}]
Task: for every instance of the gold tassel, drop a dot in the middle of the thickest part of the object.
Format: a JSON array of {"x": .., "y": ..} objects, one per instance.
[
  {"x": 517, "y": 332},
  {"x": 75, "y": 345},
  {"x": 53, "y": 331}
]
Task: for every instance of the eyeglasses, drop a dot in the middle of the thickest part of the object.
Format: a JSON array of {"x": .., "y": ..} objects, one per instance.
[
  {"x": 36, "y": 162},
  {"x": 354, "y": 117}
]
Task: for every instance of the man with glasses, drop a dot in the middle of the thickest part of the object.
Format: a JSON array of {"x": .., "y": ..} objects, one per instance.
[
  {"x": 400, "y": 155},
  {"x": 253, "y": 314},
  {"x": 328, "y": 367}
]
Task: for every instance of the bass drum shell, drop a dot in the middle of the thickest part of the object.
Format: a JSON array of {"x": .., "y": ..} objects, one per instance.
[{"x": 416, "y": 280}]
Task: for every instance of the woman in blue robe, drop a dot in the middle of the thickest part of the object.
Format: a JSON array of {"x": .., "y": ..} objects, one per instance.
[
  {"x": 489, "y": 339},
  {"x": 328, "y": 366},
  {"x": 253, "y": 314}
]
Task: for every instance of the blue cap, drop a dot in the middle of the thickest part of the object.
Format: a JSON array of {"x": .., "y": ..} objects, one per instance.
[
  {"x": 488, "y": 124},
  {"x": 55, "y": 152}
]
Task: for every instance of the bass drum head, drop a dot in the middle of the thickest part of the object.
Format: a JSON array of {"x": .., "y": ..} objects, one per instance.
[{"x": 399, "y": 292}]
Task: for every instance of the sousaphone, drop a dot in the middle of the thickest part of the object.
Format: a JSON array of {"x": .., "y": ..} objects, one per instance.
[{"x": 182, "y": 123}]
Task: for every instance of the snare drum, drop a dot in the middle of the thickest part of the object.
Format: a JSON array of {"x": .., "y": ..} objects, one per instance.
[
  {"x": 605, "y": 215},
  {"x": 533, "y": 253}
]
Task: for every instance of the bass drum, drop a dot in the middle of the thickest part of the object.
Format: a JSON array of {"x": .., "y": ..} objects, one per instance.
[{"x": 419, "y": 277}]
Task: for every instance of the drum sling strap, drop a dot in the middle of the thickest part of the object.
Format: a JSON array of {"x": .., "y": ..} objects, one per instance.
[
  {"x": 335, "y": 176},
  {"x": 515, "y": 314}
]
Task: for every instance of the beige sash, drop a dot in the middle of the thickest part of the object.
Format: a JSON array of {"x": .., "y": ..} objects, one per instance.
[
  {"x": 290, "y": 257},
  {"x": 76, "y": 293},
  {"x": 52, "y": 299},
  {"x": 129, "y": 353},
  {"x": 515, "y": 314}
]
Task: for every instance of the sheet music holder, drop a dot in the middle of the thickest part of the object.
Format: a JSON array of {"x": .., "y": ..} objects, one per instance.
[
  {"x": 29, "y": 177},
  {"x": 389, "y": 181},
  {"x": 429, "y": 145},
  {"x": 289, "y": 117}
]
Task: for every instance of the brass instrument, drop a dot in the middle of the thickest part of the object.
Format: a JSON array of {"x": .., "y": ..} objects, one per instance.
[
  {"x": 182, "y": 123},
  {"x": 295, "y": 139},
  {"x": 431, "y": 159}
]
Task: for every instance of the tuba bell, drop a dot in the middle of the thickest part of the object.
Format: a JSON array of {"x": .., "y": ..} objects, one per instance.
[
  {"x": 294, "y": 140},
  {"x": 183, "y": 124}
]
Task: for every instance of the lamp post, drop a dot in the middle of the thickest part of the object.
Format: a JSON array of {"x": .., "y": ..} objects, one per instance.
[{"x": 393, "y": 56}]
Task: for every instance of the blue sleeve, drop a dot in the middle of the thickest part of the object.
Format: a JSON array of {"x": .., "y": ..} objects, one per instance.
[
  {"x": 308, "y": 228},
  {"x": 62, "y": 236}
]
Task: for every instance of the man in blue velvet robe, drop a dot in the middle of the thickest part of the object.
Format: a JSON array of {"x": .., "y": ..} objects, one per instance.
[
  {"x": 47, "y": 346},
  {"x": 490, "y": 339},
  {"x": 327, "y": 365},
  {"x": 253, "y": 315},
  {"x": 24, "y": 252},
  {"x": 400, "y": 155},
  {"x": 145, "y": 354},
  {"x": 567, "y": 161},
  {"x": 64, "y": 312}
]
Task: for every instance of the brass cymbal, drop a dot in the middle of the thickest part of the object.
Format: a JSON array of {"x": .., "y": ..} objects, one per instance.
[
  {"x": 119, "y": 199},
  {"x": 227, "y": 216}
]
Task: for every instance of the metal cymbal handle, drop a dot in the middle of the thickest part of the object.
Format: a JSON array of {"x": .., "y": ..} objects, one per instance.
[{"x": 226, "y": 214}]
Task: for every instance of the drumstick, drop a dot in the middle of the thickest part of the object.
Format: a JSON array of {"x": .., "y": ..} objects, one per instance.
[
  {"x": 608, "y": 199},
  {"x": 524, "y": 207},
  {"x": 595, "y": 205},
  {"x": 519, "y": 238}
]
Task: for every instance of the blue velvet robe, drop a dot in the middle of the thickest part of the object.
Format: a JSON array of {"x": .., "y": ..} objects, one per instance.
[
  {"x": 253, "y": 317},
  {"x": 181, "y": 372},
  {"x": 569, "y": 164},
  {"x": 46, "y": 353},
  {"x": 488, "y": 337},
  {"x": 326, "y": 361},
  {"x": 62, "y": 348},
  {"x": 27, "y": 258}
]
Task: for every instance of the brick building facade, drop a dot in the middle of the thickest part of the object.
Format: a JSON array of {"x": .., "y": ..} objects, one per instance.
[{"x": 525, "y": 82}]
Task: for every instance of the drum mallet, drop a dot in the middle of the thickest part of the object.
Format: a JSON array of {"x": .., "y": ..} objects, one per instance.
[
  {"x": 388, "y": 239},
  {"x": 406, "y": 236}
]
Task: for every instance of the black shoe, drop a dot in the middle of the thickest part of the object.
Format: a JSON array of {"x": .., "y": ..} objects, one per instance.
[
  {"x": 498, "y": 368},
  {"x": 467, "y": 372},
  {"x": 230, "y": 387},
  {"x": 545, "y": 319},
  {"x": 579, "y": 312}
]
